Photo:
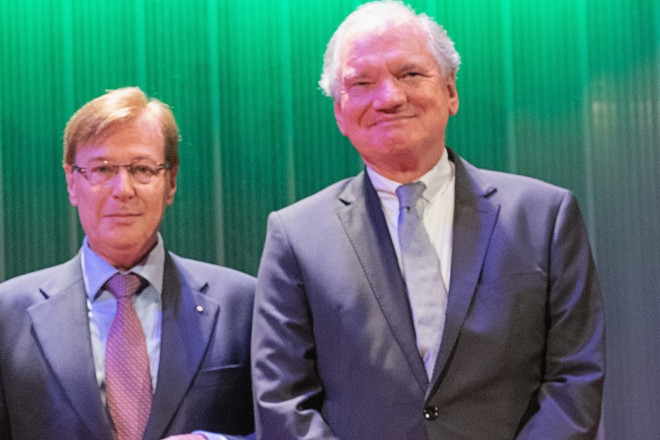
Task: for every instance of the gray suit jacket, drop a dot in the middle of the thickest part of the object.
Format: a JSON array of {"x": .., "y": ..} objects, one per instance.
[
  {"x": 334, "y": 353},
  {"x": 48, "y": 387}
]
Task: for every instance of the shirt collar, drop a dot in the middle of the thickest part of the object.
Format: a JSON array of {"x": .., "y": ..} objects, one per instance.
[
  {"x": 96, "y": 271},
  {"x": 436, "y": 179}
]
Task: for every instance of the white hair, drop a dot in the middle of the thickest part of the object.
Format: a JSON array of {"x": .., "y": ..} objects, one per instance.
[{"x": 440, "y": 45}]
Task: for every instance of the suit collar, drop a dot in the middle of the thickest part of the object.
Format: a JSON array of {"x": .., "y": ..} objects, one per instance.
[
  {"x": 363, "y": 221},
  {"x": 437, "y": 179},
  {"x": 61, "y": 327},
  {"x": 96, "y": 270},
  {"x": 474, "y": 219},
  {"x": 189, "y": 319}
]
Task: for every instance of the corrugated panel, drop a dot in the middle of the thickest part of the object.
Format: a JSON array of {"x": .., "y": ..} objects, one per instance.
[
  {"x": 567, "y": 91},
  {"x": 35, "y": 200},
  {"x": 623, "y": 65}
]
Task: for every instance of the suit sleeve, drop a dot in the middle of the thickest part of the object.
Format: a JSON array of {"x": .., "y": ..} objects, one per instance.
[
  {"x": 5, "y": 432},
  {"x": 234, "y": 437},
  {"x": 288, "y": 392},
  {"x": 218, "y": 436},
  {"x": 568, "y": 402}
]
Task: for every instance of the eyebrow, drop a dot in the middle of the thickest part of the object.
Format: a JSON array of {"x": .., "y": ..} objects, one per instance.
[
  {"x": 354, "y": 76},
  {"x": 416, "y": 66},
  {"x": 134, "y": 159}
]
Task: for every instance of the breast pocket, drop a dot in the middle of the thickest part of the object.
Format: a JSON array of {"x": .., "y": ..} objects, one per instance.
[
  {"x": 517, "y": 289},
  {"x": 510, "y": 311},
  {"x": 221, "y": 376}
]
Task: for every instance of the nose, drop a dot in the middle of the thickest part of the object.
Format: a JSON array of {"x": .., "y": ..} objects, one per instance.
[
  {"x": 389, "y": 95},
  {"x": 122, "y": 184}
]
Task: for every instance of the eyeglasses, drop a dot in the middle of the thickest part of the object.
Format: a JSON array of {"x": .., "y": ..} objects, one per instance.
[{"x": 140, "y": 171}]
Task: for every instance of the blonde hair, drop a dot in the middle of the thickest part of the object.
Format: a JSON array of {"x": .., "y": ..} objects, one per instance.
[{"x": 114, "y": 109}]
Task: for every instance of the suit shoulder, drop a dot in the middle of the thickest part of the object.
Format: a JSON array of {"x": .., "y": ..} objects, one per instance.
[
  {"x": 517, "y": 188},
  {"x": 30, "y": 281},
  {"x": 509, "y": 179},
  {"x": 20, "y": 293},
  {"x": 314, "y": 202},
  {"x": 214, "y": 273}
]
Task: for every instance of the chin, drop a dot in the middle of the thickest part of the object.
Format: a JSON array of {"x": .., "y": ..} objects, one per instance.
[{"x": 122, "y": 238}]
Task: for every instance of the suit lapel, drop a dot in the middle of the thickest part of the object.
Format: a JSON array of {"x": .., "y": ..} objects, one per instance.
[
  {"x": 364, "y": 223},
  {"x": 61, "y": 327},
  {"x": 189, "y": 319},
  {"x": 474, "y": 219}
]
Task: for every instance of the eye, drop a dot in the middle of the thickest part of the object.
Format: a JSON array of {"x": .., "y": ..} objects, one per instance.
[
  {"x": 142, "y": 169},
  {"x": 103, "y": 170},
  {"x": 411, "y": 74},
  {"x": 358, "y": 82}
]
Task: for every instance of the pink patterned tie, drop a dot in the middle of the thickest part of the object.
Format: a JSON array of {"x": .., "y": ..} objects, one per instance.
[{"x": 127, "y": 376}]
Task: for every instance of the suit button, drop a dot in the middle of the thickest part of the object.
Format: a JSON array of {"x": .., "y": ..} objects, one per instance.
[{"x": 431, "y": 412}]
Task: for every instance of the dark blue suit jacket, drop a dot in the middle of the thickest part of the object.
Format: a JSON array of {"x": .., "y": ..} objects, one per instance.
[
  {"x": 522, "y": 356},
  {"x": 48, "y": 387}
]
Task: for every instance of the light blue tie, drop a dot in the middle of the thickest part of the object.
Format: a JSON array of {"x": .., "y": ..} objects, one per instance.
[{"x": 421, "y": 272}]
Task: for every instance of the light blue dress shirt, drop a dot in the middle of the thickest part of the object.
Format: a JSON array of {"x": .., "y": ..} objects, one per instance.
[{"x": 102, "y": 306}]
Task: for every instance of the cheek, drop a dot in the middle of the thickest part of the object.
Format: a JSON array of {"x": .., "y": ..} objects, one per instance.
[
  {"x": 88, "y": 205},
  {"x": 433, "y": 110},
  {"x": 354, "y": 109}
]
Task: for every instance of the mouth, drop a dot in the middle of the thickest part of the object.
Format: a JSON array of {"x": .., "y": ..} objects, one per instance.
[
  {"x": 122, "y": 215},
  {"x": 391, "y": 121}
]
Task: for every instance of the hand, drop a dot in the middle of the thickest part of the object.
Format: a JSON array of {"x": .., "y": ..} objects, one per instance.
[{"x": 186, "y": 437}]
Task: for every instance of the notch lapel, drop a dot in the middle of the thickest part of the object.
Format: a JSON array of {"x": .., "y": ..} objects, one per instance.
[
  {"x": 189, "y": 320},
  {"x": 474, "y": 219},
  {"x": 364, "y": 223},
  {"x": 61, "y": 327}
]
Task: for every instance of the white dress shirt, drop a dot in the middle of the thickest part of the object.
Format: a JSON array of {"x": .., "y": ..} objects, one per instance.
[{"x": 438, "y": 217}]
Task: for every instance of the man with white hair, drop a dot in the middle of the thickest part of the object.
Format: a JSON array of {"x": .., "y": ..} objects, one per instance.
[{"x": 423, "y": 298}]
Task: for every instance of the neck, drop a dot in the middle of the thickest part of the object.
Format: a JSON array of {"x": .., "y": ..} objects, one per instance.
[
  {"x": 405, "y": 170},
  {"x": 125, "y": 259}
]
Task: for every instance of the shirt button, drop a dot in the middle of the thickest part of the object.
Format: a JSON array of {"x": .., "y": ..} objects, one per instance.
[{"x": 431, "y": 412}]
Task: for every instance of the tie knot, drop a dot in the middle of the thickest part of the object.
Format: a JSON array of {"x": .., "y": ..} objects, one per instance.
[
  {"x": 122, "y": 286},
  {"x": 409, "y": 193}
]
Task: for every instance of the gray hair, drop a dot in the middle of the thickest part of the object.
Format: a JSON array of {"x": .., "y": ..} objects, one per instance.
[{"x": 440, "y": 45}]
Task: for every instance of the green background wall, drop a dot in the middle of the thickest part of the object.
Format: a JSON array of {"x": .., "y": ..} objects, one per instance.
[{"x": 565, "y": 90}]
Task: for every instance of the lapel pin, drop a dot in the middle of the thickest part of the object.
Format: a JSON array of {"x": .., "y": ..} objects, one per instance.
[{"x": 200, "y": 309}]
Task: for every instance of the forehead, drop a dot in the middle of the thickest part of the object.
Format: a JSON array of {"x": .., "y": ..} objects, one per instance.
[
  {"x": 384, "y": 41},
  {"x": 140, "y": 138}
]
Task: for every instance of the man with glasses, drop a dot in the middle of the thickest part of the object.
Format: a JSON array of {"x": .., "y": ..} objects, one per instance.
[{"x": 126, "y": 340}]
